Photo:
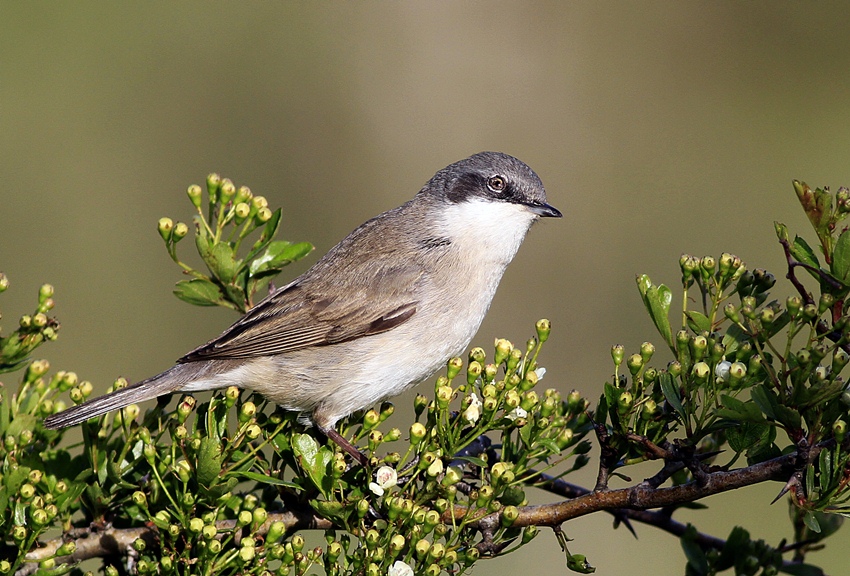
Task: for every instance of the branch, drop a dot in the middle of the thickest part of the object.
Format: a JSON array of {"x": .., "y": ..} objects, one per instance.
[
  {"x": 642, "y": 496},
  {"x": 93, "y": 543}
]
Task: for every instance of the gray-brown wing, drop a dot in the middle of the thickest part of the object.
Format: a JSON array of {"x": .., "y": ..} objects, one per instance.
[{"x": 316, "y": 310}]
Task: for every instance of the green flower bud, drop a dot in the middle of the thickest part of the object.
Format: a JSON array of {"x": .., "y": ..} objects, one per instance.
[
  {"x": 731, "y": 313},
  {"x": 529, "y": 400},
  {"x": 634, "y": 364},
  {"x": 509, "y": 516},
  {"x": 39, "y": 517},
  {"x": 529, "y": 533},
  {"x": 165, "y": 226},
  {"x": 544, "y": 327},
  {"x": 674, "y": 368},
  {"x": 825, "y": 303},
  {"x": 618, "y": 352},
  {"x": 490, "y": 371},
  {"x": 514, "y": 359},
  {"x": 473, "y": 372},
  {"x": 422, "y": 548},
  {"x": 209, "y": 531},
  {"x": 179, "y": 232},
  {"x": 699, "y": 347},
  {"x": 793, "y": 304},
  {"x": 246, "y": 553},
  {"x": 477, "y": 354},
  {"x": 737, "y": 371},
  {"x": 764, "y": 280},
  {"x": 419, "y": 404},
  {"x": 436, "y": 552},
  {"x": 227, "y": 190},
  {"x": 810, "y": 312},
  {"x": 840, "y": 430},
  {"x": 417, "y": 432},
  {"x": 453, "y": 366},
  {"x": 139, "y": 498},
  {"x": 4, "y": 284},
  {"x": 530, "y": 381},
  {"x": 244, "y": 518},
  {"x": 701, "y": 371},
  {"x": 804, "y": 357},
  {"x": 444, "y": 396},
  {"x": 503, "y": 350},
  {"x": 26, "y": 491},
  {"x": 241, "y": 212},
  {"x": 195, "y": 525},
  {"x": 624, "y": 402},
  {"x": 708, "y": 264},
  {"x": 649, "y": 409},
  {"x": 247, "y": 411},
  {"x": 66, "y": 549},
  {"x": 435, "y": 468},
  {"x": 647, "y": 349},
  {"x": 564, "y": 438},
  {"x": 213, "y": 183},
  {"x": 194, "y": 193},
  {"x": 263, "y": 215}
]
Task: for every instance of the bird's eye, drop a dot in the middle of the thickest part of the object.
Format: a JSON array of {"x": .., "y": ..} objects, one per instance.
[{"x": 496, "y": 183}]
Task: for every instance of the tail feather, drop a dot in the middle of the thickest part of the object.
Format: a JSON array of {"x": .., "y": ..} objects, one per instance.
[{"x": 149, "y": 389}]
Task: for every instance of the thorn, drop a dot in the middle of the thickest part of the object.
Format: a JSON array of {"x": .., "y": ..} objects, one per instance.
[{"x": 792, "y": 483}]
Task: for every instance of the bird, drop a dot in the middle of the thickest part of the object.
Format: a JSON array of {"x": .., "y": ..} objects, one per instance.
[{"x": 382, "y": 311}]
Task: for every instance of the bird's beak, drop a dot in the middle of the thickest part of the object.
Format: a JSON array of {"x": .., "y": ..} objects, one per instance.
[{"x": 545, "y": 210}]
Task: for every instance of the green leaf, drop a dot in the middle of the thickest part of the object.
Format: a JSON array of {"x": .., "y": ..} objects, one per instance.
[
  {"x": 314, "y": 460},
  {"x": 736, "y": 546},
  {"x": 697, "y": 561},
  {"x": 278, "y": 254},
  {"x": 811, "y": 522},
  {"x": 841, "y": 257},
  {"x": 221, "y": 262},
  {"x": 671, "y": 394},
  {"x": 209, "y": 461},
  {"x": 733, "y": 339},
  {"x": 657, "y": 301},
  {"x": 698, "y": 322},
  {"x": 802, "y": 570},
  {"x": 801, "y": 250},
  {"x": 198, "y": 292},
  {"x": 747, "y": 435},
  {"x": 264, "y": 479}
]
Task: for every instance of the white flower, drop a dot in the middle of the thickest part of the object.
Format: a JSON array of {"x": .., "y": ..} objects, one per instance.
[
  {"x": 385, "y": 478},
  {"x": 400, "y": 569},
  {"x": 473, "y": 411},
  {"x": 540, "y": 372},
  {"x": 517, "y": 412},
  {"x": 722, "y": 370}
]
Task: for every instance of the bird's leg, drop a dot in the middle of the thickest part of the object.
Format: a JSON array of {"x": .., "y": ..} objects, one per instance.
[{"x": 331, "y": 433}]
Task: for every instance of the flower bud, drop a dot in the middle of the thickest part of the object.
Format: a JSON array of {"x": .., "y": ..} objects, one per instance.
[
  {"x": 530, "y": 381},
  {"x": 417, "y": 432},
  {"x": 731, "y": 313},
  {"x": 263, "y": 215},
  {"x": 701, "y": 371},
  {"x": 420, "y": 402},
  {"x": 698, "y": 346},
  {"x": 674, "y": 368},
  {"x": 544, "y": 327},
  {"x": 444, "y": 396},
  {"x": 503, "y": 350},
  {"x": 618, "y": 352},
  {"x": 793, "y": 304},
  {"x": 165, "y": 226},
  {"x": 194, "y": 193},
  {"x": 826, "y": 301},
  {"x": 179, "y": 232},
  {"x": 634, "y": 364},
  {"x": 708, "y": 264},
  {"x": 514, "y": 359},
  {"x": 473, "y": 372},
  {"x": 247, "y": 411},
  {"x": 840, "y": 430}
]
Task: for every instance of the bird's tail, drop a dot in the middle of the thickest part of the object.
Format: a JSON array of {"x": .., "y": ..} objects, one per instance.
[{"x": 169, "y": 381}]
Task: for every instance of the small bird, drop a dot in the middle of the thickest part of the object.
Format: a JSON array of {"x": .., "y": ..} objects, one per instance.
[{"x": 379, "y": 313}]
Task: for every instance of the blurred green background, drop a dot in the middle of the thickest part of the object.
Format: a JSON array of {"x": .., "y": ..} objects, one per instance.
[{"x": 657, "y": 128}]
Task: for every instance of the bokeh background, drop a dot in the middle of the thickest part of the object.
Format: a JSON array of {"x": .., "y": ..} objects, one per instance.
[{"x": 657, "y": 127}]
